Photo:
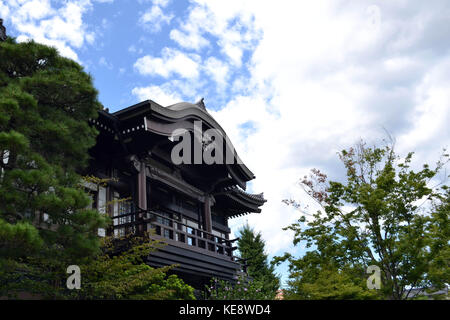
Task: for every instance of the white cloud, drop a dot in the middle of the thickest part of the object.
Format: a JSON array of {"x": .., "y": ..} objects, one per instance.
[
  {"x": 234, "y": 53},
  {"x": 4, "y": 10},
  {"x": 218, "y": 70},
  {"x": 431, "y": 115},
  {"x": 34, "y": 10},
  {"x": 90, "y": 37},
  {"x": 191, "y": 40},
  {"x": 172, "y": 61},
  {"x": 182, "y": 71},
  {"x": 62, "y": 28},
  {"x": 231, "y": 23},
  {"x": 161, "y": 3},
  {"x": 159, "y": 94},
  {"x": 154, "y": 18}
]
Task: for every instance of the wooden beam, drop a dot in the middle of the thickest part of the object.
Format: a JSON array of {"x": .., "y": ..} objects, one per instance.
[{"x": 207, "y": 213}]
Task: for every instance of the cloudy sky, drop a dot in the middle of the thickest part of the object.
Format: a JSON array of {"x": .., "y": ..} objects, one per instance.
[{"x": 292, "y": 82}]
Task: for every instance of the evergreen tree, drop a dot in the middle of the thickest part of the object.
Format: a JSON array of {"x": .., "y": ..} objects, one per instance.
[
  {"x": 45, "y": 104},
  {"x": 251, "y": 248}
]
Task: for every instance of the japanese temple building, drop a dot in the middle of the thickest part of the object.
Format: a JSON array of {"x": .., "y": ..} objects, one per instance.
[{"x": 187, "y": 205}]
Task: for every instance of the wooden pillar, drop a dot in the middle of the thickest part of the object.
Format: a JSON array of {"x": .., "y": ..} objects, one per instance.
[
  {"x": 142, "y": 187},
  {"x": 142, "y": 197},
  {"x": 207, "y": 212}
]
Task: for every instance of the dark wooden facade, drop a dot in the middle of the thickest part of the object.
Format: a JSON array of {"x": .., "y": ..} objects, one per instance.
[
  {"x": 187, "y": 205},
  {"x": 2, "y": 31}
]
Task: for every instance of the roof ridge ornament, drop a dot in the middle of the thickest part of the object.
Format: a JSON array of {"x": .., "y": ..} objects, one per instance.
[{"x": 200, "y": 103}]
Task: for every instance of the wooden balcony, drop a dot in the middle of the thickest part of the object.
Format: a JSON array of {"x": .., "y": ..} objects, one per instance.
[
  {"x": 197, "y": 253},
  {"x": 173, "y": 232}
]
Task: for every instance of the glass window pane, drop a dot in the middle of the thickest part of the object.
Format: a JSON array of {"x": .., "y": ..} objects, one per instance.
[
  {"x": 167, "y": 233},
  {"x": 102, "y": 200},
  {"x": 101, "y": 232}
]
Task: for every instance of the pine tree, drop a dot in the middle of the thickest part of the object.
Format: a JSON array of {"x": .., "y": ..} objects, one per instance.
[
  {"x": 251, "y": 247},
  {"x": 45, "y": 104}
]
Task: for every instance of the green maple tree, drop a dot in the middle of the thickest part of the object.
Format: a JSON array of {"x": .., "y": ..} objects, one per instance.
[{"x": 384, "y": 214}]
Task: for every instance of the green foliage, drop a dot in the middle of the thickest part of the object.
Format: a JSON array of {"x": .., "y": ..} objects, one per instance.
[
  {"x": 42, "y": 275},
  {"x": 45, "y": 103},
  {"x": 242, "y": 289},
  {"x": 251, "y": 248},
  {"x": 438, "y": 235},
  {"x": 382, "y": 215},
  {"x": 328, "y": 283},
  {"x": 121, "y": 273},
  {"x": 18, "y": 239}
]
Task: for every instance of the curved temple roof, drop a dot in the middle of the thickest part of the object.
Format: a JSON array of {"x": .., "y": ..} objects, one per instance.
[{"x": 164, "y": 120}]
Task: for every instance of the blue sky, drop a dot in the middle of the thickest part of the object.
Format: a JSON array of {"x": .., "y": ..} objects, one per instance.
[{"x": 292, "y": 82}]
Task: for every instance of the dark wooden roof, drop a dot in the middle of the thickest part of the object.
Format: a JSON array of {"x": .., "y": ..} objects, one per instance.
[{"x": 163, "y": 120}]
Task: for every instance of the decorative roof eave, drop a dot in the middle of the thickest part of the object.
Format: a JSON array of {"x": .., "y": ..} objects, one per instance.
[
  {"x": 257, "y": 199},
  {"x": 105, "y": 122},
  {"x": 246, "y": 204},
  {"x": 239, "y": 214},
  {"x": 240, "y": 202}
]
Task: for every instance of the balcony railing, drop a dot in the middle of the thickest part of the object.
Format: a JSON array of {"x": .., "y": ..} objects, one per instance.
[{"x": 174, "y": 232}]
